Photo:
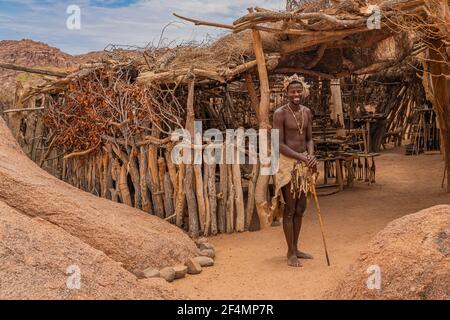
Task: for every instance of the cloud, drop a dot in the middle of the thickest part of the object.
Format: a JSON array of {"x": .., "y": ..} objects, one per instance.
[{"x": 125, "y": 22}]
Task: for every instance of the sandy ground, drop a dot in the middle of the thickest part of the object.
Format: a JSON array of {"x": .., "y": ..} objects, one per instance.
[{"x": 252, "y": 265}]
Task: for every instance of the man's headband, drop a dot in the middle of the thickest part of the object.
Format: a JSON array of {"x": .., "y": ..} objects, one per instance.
[{"x": 295, "y": 79}]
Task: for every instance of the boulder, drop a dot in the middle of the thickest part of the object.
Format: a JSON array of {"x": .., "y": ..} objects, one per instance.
[
  {"x": 39, "y": 260},
  {"x": 409, "y": 259}
]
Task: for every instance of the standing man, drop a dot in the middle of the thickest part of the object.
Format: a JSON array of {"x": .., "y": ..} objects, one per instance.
[{"x": 297, "y": 164}]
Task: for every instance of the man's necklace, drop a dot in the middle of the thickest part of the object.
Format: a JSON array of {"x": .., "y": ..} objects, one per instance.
[{"x": 300, "y": 128}]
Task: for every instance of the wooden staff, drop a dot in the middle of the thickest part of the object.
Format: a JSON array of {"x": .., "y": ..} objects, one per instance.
[{"x": 316, "y": 201}]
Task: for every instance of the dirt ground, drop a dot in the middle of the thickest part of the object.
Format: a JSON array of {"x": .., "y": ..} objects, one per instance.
[{"x": 252, "y": 265}]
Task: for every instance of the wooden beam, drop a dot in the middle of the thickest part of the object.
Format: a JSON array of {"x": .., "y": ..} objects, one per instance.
[
  {"x": 174, "y": 75},
  {"x": 312, "y": 73},
  {"x": 23, "y": 110},
  {"x": 16, "y": 67}
]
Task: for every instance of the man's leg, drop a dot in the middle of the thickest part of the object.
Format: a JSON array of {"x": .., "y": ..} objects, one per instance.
[
  {"x": 288, "y": 227},
  {"x": 298, "y": 218}
]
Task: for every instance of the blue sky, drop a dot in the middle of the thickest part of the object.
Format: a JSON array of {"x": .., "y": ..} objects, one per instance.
[{"x": 124, "y": 22}]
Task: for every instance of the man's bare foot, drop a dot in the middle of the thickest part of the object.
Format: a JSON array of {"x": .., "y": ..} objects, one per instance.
[
  {"x": 276, "y": 223},
  {"x": 293, "y": 261},
  {"x": 304, "y": 255}
]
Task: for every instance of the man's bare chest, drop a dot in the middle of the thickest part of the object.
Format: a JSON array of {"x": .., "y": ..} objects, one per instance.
[{"x": 295, "y": 121}]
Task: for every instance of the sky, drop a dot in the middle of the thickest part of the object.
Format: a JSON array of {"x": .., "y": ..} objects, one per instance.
[{"x": 81, "y": 26}]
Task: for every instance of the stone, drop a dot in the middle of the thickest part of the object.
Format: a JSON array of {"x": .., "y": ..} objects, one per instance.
[
  {"x": 193, "y": 266},
  {"x": 150, "y": 273},
  {"x": 206, "y": 246},
  {"x": 201, "y": 240},
  {"x": 208, "y": 253},
  {"x": 205, "y": 261},
  {"x": 168, "y": 274},
  {"x": 180, "y": 271},
  {"x": 139, "y": 274}
]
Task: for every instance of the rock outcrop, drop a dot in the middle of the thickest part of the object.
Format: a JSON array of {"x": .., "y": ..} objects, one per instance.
[
  {"x": 410, "y": 259},
  {"x": 126, "y": 235}
]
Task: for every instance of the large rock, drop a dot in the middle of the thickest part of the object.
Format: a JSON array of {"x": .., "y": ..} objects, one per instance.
[
  {"x": 125, "y": 234},
  {"x": 39, "y": 259},
  {"x": 413, "y": 256}
]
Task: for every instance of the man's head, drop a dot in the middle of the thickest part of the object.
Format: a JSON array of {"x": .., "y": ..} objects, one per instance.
[
  {"x": 295, "y": 93},
  {"x": 296, "y": 89}
]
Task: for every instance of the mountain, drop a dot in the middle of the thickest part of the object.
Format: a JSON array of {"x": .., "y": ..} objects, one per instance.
[{"x": 32, "y": 53}]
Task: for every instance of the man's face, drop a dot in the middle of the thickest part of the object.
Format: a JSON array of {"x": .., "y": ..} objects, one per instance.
[{"x": 295, "y": 93}]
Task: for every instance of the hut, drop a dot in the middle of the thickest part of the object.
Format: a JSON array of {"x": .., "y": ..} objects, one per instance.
[{"x": 107, "y": 128}]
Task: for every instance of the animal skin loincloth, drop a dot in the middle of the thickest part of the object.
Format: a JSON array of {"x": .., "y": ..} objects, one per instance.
[{"x": 297, "y": 173}]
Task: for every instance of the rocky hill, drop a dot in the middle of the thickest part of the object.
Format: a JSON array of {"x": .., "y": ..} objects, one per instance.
[{"x": 32, "y": 53}]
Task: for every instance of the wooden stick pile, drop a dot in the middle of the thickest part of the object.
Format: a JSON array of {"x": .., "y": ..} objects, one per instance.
[{"x": 107, "y": 135}]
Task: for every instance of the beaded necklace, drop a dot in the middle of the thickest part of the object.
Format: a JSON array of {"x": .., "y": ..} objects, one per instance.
[{"x": 300, "y": 128}]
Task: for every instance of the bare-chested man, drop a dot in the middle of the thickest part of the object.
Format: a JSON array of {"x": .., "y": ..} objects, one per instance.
[{"x": 294, "y": 122}]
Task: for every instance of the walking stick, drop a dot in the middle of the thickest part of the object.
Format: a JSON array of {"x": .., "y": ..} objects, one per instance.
[{"x": 316, "y": 201}]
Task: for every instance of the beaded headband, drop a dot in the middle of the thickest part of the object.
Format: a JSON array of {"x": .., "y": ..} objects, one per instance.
[{"x": 295, "y": 79}]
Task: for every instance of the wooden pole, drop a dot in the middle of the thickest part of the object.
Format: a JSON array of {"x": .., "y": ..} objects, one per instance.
[
  {"x": 143, "y": 165},
  {"x": 239, "y": 196},
  {"x": 189, "y": 178},
  {"x": 230, "y": 200},
  {"x": 212, "y": 196},
  {"x": 262, "y": 185},
  {"x": 16, "y": 67},
  {"x": 155, "y": 184},
  {"x": 251, "y": 196},
  {"x": 223, "y": 194}
]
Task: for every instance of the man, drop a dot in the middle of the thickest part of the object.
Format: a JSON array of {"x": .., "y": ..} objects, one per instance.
[{"x": 297, "y": 164}]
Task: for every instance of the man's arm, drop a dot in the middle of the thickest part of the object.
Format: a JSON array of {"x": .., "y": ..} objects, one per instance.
[
  {"x": 278, "y": 123},
  {"x": 312, "y": 161}
]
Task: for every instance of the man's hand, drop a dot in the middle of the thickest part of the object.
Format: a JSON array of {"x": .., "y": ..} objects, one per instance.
[
  {"x": 302, "y": 158},
  {"x": 311, "y": 161}
]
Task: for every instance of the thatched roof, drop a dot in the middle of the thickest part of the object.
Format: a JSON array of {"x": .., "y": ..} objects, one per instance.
[{"x": 316, "y": 40}]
